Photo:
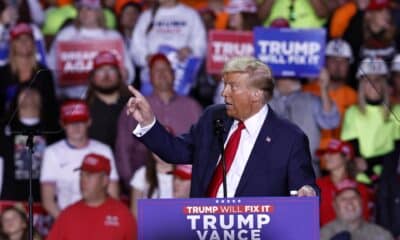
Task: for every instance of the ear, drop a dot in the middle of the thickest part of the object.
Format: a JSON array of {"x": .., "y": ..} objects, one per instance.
[
  {"x": 106, "y": 180},
  {"x": 256, "y": 95}
]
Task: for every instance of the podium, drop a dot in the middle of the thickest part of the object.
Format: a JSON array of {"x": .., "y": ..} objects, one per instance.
[{"x": 250, "y": 218}]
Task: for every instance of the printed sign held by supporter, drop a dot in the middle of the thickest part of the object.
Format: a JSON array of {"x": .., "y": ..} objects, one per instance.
[
  {"x": 224, "y": 45},
  {"x": 291, "y": 52},
  {"x": 21, "y": 161},
  {"x": 281, "y": 218},
  {"x": 75, "y": 59},
  {"x": 185, "y": 72}
]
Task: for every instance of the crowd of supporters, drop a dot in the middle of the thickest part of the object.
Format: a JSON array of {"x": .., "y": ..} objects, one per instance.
[{"x": 350, "y": 111}]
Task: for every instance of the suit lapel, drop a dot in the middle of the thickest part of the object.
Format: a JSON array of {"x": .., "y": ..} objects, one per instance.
[{"x": 260, "y": 148}]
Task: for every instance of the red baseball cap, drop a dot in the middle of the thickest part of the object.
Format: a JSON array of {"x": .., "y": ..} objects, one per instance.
[
  {"x": 19, "y": 29},
  {"x": 346, "y": 184},
  {"x": 75, "y": 111},
  {"x": 378, "y": 5},
  {"x": 280, "y": 23},
  {"x": 183, "y": 171},
  {"x": 158, "y": 57},
  {"x": 95, "y": 163},
  {"x": 105, "y": 58},
  {"x": 337, "y": 146}
]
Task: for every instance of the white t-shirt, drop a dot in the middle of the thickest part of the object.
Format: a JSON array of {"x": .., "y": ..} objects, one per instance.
[
  {"x": 58, "y": 167},
  {"x": 165, "y": 184},
  {"x": 179, "y": 26}
]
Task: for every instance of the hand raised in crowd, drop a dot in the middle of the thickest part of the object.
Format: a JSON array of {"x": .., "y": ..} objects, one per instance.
[
  {"x": 139, "y": 108},
  {"x": 324, "y": 79},
  {"x": 184, "y": 53}
]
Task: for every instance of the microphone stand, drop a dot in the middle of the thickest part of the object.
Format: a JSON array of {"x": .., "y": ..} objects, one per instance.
[
  {"x": 29, "y": 144},
  {"x": 219, "y": 130}
]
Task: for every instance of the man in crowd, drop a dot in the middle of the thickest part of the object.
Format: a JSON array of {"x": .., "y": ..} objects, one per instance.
[
  {"x": 106, "y": 96},
  {"x": 265, "y": 155},
  {"x": 96, "y": 216},
  {"x": 349, "y": 223},
  {"x": 59, "y": 183},
  {"x": 171, "y": 109},
  {"x": 337, "y": 62},
  {"x": 309, "y": 112}
]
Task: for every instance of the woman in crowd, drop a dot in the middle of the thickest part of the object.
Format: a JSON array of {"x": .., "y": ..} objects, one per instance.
[
  {"x": 154, "y": 180},
  {"x": 14, "y": 224},
  {"x": 24, "y": 70}
]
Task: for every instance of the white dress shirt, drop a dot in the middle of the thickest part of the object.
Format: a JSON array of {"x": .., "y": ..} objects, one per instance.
[{"x": 247, "y": 140}]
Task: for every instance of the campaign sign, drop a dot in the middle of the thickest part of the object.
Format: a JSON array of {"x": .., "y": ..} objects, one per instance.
[
  {"x": 283, "y": 218},
  {"x": 224, "y": 45},
  {"x": 291, "y": 52},
  {"x": 74, "y": 59}
]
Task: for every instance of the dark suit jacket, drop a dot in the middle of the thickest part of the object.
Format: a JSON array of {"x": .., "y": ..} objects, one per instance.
[{"x": 273, "y": 169}]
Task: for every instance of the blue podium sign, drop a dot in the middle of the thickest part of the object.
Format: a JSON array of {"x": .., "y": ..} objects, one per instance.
[
  {"x": 283, "y": 218},
  {"x": 291, "y": 52}
]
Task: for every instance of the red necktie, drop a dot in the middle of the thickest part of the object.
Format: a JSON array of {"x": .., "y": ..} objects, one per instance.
[{"x": 230, "y": 152}]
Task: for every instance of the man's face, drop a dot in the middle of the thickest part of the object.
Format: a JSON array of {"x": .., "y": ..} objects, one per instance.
[
  {"x": 238, "y": 95},
  {"x": 348, "y": 206},
  {"x": 106, "y": 79},
  {"x": 162, "y": 78},
  {"x": 76, "y": 131},
  {"x": 93, "y": 185},
  {"x": 338, "y": 68}
]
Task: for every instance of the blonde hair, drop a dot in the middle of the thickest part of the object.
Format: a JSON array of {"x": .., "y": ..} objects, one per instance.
[
  {"x": 362, "y": 100},
  {"x": 260, "y": 74},
  {"x": 13, "y": 56}
]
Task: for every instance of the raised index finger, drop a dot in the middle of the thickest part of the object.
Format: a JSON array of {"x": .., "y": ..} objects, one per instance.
[{"x": 135, "y": 92}]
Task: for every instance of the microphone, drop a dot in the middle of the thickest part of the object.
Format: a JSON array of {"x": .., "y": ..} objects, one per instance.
[{"x": 219, "y": 130}]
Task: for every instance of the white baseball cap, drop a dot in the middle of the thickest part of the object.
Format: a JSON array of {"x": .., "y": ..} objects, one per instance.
[
  {"x": 339, "y": 48},
  {"x": 372, "y": 66},
  {"x": 396, "y": 63}
]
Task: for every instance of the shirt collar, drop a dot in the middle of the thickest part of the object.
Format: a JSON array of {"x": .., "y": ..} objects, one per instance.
[{"x": 254, "y": 123}]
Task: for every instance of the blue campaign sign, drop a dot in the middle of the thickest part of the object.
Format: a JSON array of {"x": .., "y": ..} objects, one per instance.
[
  {"x": 291, "y": 52},
  {"x": 283, "y": 218}
]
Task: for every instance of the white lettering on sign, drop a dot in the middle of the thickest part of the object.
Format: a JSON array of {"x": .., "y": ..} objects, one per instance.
[
  {"x": 223, "y": 51},
  {"x": 289, "y": 52}
]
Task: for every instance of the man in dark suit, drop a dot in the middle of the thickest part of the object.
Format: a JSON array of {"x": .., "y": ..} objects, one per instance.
[{"x": 265, "y": 155}]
